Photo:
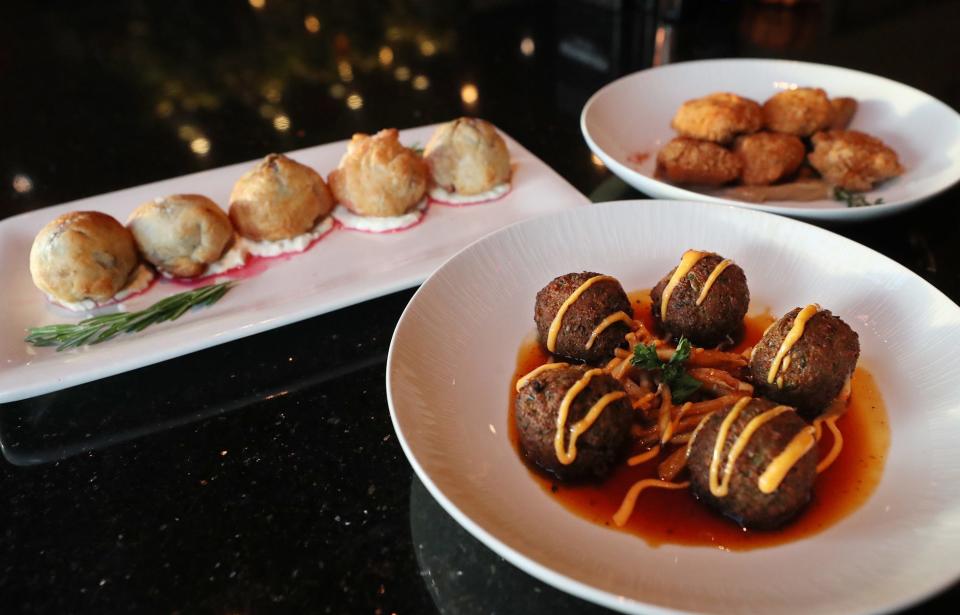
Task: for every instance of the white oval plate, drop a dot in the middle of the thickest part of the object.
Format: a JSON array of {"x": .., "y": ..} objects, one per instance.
[
  {"x": 632, "y": 115},
  {"x": 342, "y": 269},
  {"x": 454, "y": 351}
]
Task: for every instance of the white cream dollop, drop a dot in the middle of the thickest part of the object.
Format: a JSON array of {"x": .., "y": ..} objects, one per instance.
[
  {"x": 453, "y": 198},
  {"x": 286, "y": 246},
  {"x": 377, "y": 224},
  {"x": 235, "y": 257}
]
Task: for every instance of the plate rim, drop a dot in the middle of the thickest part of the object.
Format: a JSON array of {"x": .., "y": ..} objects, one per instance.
[
  {"x": 839, "y": 215},
  {"x": 541, "y": 571}
]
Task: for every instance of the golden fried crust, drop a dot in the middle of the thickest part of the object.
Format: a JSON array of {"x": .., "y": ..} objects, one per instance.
[
  {"x": 799, "y": 112},
  {"x": 690, "y": 161},
  {"x": 467, "y": 156},
  {"x": 181, "y": 234},
  {"x": 278, "y": 199},
  {"x": 718, "y": 117},
  {"x": 82, "y": 255},
  {"x": 768, "y": 157},
  {"x": 853, "y": 160},
  {"x": 842, "y": 112},
  {"x": 378, "y": 176}
]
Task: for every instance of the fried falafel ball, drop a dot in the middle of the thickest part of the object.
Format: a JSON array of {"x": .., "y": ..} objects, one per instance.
[
  {"x": 744, "y": 502},
  {"x": 718, "y": 117},
  {"x": 853, "y": 160},
  {"x": 800, "y": 112},
  {"x": 601, "y": 300},
  {"x": 467, "y": 156},
  {"x": 718, "y": 318},
  {"x": 816, "y": 368},
  {"x": 379, "y": 177},
  {"x": 690, "y": 161},
  {"x": 599, "y": 449},
  {"x": 769, "y": 157}
]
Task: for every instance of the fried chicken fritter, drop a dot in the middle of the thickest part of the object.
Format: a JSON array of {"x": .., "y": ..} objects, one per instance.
[
  {"x": 768, "y": 157},
  {"x": 843, "y": 110},
  {"x": 799, "y": 112},
  {"x": 853, "y": 160},
  {"x": 718, "y": 117},
  {"x": 691, "y": 161}
]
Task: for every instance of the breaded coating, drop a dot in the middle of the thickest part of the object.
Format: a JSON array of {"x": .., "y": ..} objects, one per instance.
[
  {"x": 718, "y": 117},
  {"x": 691, "y": 161},
  {"x": 799, "y": 112},
  {"x": 853, "y": 160},
  {"x": 768, "y": 157},
  {"x": 843, "y": 111}
]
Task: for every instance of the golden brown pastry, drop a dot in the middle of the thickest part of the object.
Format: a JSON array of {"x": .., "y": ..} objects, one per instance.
[
  {"x": 853, "y": 160},
  {"x": 768, "y": 157},
  {"x": 800, "y": 112},
  {"x": 378, "y": 176},
  {"x": 718, "y": 117},
  {"x": 467, "y": 156},
  {"x": 181, "y": 234},
  {"x": 843, "y": 110},
  {"x": 82, "y": 255},
  {"x": 278, "y": 199},
  {"x": 690, "y": 161}
]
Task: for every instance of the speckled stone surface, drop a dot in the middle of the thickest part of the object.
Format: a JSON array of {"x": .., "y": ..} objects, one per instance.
[{"x": 264, "y": 475}]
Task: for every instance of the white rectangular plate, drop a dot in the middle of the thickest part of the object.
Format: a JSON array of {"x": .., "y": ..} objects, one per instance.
[{"x": 342, "y": 269}]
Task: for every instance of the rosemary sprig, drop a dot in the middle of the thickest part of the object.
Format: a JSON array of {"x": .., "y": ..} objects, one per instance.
[
  {"x": 853, "y": 199},
  {"x": 99, "y": 329}
]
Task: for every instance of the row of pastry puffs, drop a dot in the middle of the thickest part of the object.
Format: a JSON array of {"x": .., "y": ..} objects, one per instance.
[{"x": 84, "y": 259}]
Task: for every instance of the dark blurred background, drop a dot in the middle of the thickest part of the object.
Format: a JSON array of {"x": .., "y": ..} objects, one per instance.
[{"x": 100, "y": 96}]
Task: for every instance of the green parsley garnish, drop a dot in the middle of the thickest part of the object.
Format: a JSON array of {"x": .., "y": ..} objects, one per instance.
[
  {"x": 417, "y": 148},
  {"x": 853, "y": 199},
  {"x": 99, "y": 329},
  {"x": 682, "y": 385}
]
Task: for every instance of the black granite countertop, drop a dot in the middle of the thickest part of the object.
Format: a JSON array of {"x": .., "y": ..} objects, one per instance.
[{"x": 264, "y": 475}]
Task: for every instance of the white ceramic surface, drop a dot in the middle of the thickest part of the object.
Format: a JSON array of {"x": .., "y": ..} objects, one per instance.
[
  {"x": 453, "y": 355},
  {"x": 632, "y": 115},
  {"x": 342, "y": 269}
]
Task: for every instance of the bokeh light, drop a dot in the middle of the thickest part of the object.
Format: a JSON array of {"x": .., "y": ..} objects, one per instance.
[
  {"x": 355, "y": 102},
  {"x": 527, "y": 46},
  {"x": 22, "y": 183},
  {"x": 281, "y": 123},
  {"x": 420, "y": 82},
  {"x": 469, "y": 93},
  {"x": 200, "y": 146}
]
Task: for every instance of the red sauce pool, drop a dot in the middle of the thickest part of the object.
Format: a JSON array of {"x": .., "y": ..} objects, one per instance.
[{"x": 666, "y": 516}]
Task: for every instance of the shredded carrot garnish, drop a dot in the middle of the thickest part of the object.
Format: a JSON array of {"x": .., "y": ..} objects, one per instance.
[
  {"x": 827, "y": 461},
  {"x": 645, "y": 456},
  {"x": 630, "y": 500}
]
